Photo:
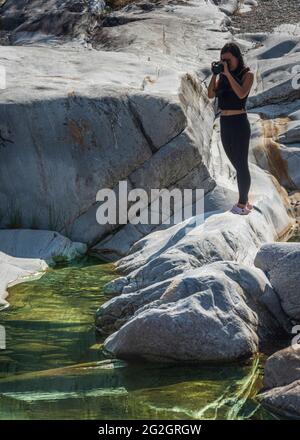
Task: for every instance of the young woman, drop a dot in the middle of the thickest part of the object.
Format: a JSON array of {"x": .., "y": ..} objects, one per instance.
[{"x": 232, "y": 89}]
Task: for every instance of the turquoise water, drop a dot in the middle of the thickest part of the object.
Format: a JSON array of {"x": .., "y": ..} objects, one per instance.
[{"x": 53, "y": 366}]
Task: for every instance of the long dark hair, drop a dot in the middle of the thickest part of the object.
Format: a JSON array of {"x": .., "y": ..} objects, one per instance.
[
  {"x": 241, "y": 67},
  {"x": 234, "y": 49}
]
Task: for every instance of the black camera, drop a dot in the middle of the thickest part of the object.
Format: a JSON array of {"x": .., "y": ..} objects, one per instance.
[{"x": 217, "y": 67}]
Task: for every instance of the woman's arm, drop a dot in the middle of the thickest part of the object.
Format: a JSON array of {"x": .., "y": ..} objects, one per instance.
[
  {"x": 212, "y": 87},
  {"x": 241, "y": 90}
]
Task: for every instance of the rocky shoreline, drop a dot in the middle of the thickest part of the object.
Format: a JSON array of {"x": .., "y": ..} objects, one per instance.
[
  {"x": 25, "y": 254},
  {"x": 87, "y": 106}
]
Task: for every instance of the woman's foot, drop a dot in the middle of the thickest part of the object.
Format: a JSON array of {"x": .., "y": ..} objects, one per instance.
[
  {"x": 236, "y": 209},
  {"x": 243, "y": 205}
]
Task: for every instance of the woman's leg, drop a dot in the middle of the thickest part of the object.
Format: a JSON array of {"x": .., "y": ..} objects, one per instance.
[
  {"x": 240, "y": 141},
  {"x": 226, "y": 130}
]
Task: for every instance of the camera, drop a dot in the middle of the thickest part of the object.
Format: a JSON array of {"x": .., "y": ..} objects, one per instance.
[{"x": 217, "y": 67}]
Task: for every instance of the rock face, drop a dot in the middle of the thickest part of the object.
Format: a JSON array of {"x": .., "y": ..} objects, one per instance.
[
  {"x": 94, "y": 117},
  {"x": 281, "y": 262},
  {"x": 282, "y": 380},
  {"x": 24, "y": 253},
  {"x": 127, "y": 104}
]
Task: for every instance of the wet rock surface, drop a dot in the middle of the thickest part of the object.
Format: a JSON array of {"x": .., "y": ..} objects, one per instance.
[{"x": 282, "y": 380}]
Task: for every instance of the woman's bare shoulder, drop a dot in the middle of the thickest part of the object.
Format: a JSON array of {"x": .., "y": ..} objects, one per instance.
[{"x": 248, "y": 74}]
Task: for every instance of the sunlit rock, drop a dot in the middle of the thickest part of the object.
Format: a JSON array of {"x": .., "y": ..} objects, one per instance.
[
  {"x": 281, "y": 262},
  {"x": 211, "y": 313}
]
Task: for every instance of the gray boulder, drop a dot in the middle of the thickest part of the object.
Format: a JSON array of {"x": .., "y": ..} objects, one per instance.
[
  {"x": 282, "y": 368},
  {"x": 281, "y": 262},
  {"x": 284, "y": 401},
  {"x": 282, "y": 383},
  {"x": 211, "y": 313}
]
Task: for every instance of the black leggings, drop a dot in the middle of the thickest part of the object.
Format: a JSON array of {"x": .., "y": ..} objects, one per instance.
[{"x": 235, "y": 136}]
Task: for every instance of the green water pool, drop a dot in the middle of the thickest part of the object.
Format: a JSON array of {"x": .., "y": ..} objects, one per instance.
[
  {"x": 294, "y": 238},
  {"x": 53, "y": 366}
]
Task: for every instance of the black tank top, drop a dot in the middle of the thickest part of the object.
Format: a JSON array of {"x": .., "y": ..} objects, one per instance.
[{"x": 227, "y": 98}]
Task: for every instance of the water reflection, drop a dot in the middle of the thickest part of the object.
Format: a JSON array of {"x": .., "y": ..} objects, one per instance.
[{"x": 53, "y": 367}]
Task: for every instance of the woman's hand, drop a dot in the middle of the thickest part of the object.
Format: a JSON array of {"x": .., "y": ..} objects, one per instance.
[
  {"x": 226, "y": 70},
  {"x": 213, "y": 84},
  {"x": 211, "y": 66}
]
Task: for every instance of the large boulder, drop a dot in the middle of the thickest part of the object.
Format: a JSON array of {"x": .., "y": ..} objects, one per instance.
[
  {"x": 284, "y": 401},
  {"x": 282, "y": 381},
  {"x": 282, "y": 368},
  {"x": 281, "y": 262},
  {"x": 210, "y": 313}
]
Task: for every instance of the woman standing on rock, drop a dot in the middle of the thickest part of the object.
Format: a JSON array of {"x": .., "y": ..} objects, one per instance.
[{"x": 232, "y": 89}]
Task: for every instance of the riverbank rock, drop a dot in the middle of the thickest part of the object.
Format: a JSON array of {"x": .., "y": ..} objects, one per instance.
[
  {"x": 24, "y": 253},
  {"x": 284, "y": 401},
  {"x": 210, "y": 313},
  {"x": 281, "y": 262},
  {"x": 282, "y": 380},
  {"x": 282, "y": 368}
]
